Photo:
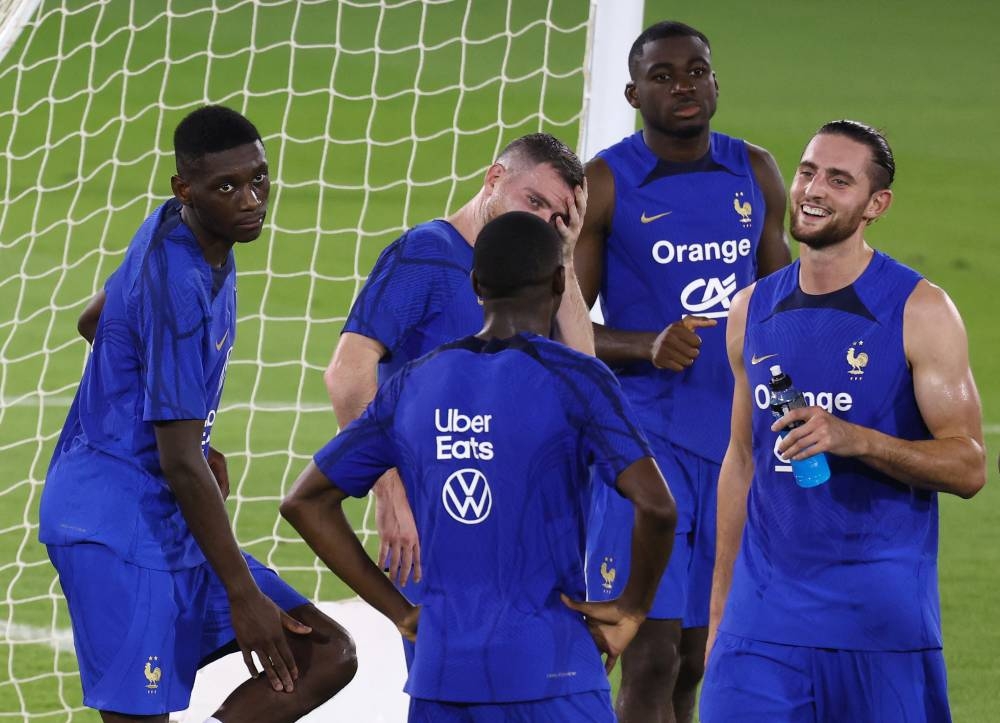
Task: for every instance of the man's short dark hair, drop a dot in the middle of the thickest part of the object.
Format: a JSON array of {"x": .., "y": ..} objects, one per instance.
[
  {"x": 210, "y": 129},
  {"x": 538, "y": 148},
  {"x": 659, "y": 31},
  {"x": 515, "y": 251},
  {"x": 883, "y": 163}
]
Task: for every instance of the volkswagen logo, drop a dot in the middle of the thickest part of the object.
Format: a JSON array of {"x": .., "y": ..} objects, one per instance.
[{"x": 466, "y": 496}]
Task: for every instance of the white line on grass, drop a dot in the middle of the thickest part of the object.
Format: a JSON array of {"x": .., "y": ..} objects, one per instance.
[{"x": 58, "y": 639}]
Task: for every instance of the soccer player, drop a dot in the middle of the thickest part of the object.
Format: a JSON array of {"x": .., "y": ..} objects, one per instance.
[
  {"x": 679, "y": 218},
  {"x": 417, "y": 297},
  {"x": 131, "y": 512},
  {"x": 830, "y": 593},
  {"x": 493, "y": 435}
]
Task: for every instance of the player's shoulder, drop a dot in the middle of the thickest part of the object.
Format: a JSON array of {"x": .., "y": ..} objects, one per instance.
[
  {"x": 435, "y": 240},
  {"x": 571, "y": 366}
]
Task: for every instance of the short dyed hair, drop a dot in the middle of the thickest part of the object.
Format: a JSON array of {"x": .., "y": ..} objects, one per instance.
[
  {"x": 537, "y": 148},
  {"x": 210, "y": 129},
  {"x": 882, "y": 161},
  {"x": 659, "y": 31},
  {"x": 515, "y": 251}
]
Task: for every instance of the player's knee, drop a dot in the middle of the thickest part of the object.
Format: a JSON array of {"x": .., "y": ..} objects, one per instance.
[
  {"x": 649, "y": 669},
  {"x": 338, "y": 660},
  {"x": 331, "y": 657},
  {"x": 653, "y": 657}
]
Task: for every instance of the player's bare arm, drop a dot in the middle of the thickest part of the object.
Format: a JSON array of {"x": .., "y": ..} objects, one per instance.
[
  {"x": 314, "y": 507},
  {"x": 772, "y": 250},
  {"x": 675, "y": 347},
  {"x": 954, "y": 460},
  {"x": 351, "y": 382},
  {"x": 736, "y": 472},
  {"x": 572, "y": 325},
  {"x": 614, "y": 623},
  {"x": 258, "y": 623}
]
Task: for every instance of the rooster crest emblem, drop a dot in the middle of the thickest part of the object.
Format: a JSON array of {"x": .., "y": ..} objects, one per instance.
[
  {"x": 152, "y": 674},
  {"x": 857, "y": 361},
  {"x": 608, "y": 573},
  {"x": 743, "y": 209}
]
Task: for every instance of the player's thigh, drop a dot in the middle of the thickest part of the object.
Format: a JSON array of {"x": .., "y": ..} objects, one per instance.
[
  {"x": 904, "y": 687},
  {"x": 609, "y": 549},
  {"x": 218, "y": 637},
  {"x": 135, "y": 630},
  {"x": 748, "y": 681},
  {"x": 587, "y": 707},
  {"x": 702, "y": 563}
]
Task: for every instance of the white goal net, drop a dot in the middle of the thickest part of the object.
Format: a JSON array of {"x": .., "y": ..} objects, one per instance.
[{"x": 376, "y": 115}]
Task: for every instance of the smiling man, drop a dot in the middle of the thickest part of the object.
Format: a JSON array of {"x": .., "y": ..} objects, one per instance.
[
  {"x": 678, "y": 220},
  {"x": 825, "y": 600},
  {"x": 132, "y": 513}
]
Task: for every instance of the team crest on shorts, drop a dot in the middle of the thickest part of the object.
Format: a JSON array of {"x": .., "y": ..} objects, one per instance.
[
  {"x": 608, "y": 573},
  {"x": 152, "y": 673}
]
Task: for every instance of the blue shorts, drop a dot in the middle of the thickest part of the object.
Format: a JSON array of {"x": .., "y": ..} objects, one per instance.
[
  {"x": 591, "y": 707},
  {"x": 686, "y": 586},
  {"x": 748, "y": 681},
  {"x": 141, "y": 634}
]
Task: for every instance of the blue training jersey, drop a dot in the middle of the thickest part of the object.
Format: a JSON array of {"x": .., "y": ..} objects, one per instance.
[
  {"x": 160, "y": 354},
  {"x": 418, "y": 295},
  {"x": 850, "y": 564},
  {"x": 493, "y": 441},
  {"x": 683, "y": 241}
]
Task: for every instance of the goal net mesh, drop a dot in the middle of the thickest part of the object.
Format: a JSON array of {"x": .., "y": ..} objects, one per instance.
[{"x": 376, "y": 115}]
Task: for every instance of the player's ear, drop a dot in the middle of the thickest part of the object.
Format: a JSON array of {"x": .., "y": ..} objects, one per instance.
[
  {"x": 632, "y": 95},
  {"x": 878, "y": 204},
  {"x": 559, "y": 281},
  {"x": 476, "y": 288},
  {"x": 493, "y": 174},
  {"x": 181, "y": 189}
]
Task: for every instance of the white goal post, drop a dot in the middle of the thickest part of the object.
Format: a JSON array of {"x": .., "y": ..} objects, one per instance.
[{"x": 376, "y": 115}]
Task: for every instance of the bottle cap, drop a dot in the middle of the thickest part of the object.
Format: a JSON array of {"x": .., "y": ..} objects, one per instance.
[{"x": 776, "y": 370}]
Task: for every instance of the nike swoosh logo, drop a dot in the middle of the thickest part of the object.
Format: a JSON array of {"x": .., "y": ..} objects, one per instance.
[
  {"x": 649, "y": 219},
  {"x": 218, "y": 347},
  {"x": 755, "y": 360}
]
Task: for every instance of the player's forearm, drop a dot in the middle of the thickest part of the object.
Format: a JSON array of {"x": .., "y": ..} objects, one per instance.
[
  {"x": 734, "y": 485},
  {"x": 652, "y": 543},
  {"x": 956, "y": 465},
  {"x": 322, "y": 524},
  {"x": 573, "y": 326},
  {"x": 616, "y": 346},
  {"x": 202, "y": 506}
]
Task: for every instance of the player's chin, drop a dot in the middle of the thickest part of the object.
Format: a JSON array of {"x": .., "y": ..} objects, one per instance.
[{"x": 244, "y": 234}]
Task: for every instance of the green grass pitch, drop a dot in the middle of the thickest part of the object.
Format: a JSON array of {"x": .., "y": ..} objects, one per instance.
[{"x": 924, "y": 71}]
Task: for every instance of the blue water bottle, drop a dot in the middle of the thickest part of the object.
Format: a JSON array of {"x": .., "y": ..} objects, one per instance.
[{"x": 811, "y": 471}]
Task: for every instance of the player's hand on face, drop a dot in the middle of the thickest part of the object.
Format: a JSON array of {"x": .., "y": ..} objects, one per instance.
[
  {"x": 611, "y": 627},
  {"x": 217, "y": 463},
  {"x": 260, "y": 627},
  {"x": 570, "y": 231},
  {"x": 399, "y": 543},
  {"x": 820, "y": 432},
  {"x": 677, "y": 346},
  {"x": 408, "y": 625}
]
